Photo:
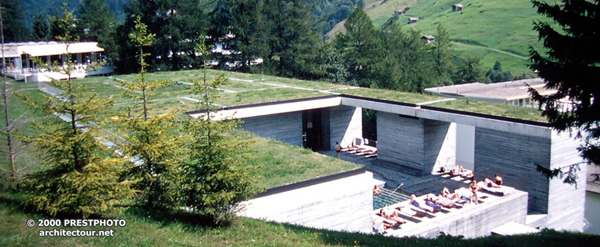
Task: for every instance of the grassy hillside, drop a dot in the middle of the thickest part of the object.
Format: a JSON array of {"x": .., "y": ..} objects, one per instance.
[{"x": 495, "y": 30}]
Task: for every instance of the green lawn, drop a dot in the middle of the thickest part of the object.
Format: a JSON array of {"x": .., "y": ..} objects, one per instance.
[
  {"x": 282, "y": 163},
  {"x": 278, "y": 163},
  {"x": 179, "y": 229},
  {"x": 245, "y": 89}
]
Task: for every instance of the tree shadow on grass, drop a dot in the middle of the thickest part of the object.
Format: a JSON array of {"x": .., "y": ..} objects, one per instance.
[{"x": 191, "y": 221}]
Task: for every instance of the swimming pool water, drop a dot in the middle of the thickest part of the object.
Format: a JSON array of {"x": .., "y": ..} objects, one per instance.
[{"x": 388, "y": 197}]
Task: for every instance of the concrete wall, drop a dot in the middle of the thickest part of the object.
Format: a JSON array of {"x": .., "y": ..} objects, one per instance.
[
  {"x": 411, "y": 142},
  {"x": 513, "y": 156},
  {"x": 465, "y": 146},
  {"x": 566, "y": 203},
  {"x": 447, "y": 154},
  {"x": 286, "y": 127},
  {"x": 436, "y": 134},
  {"x": 345, "y": 125},
  {"x": 344, "y": 205},
  {"x": 473, "y": 220}
]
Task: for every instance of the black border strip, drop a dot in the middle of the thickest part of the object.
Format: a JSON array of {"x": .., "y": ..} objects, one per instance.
[
  {"x": 268, "y": 103},
  {"x": 302, "y": 184},
  {"x": 509, "y": 119}
]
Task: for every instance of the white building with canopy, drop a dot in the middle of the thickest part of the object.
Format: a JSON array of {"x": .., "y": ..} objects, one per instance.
[{"x": 20, "y": 65}]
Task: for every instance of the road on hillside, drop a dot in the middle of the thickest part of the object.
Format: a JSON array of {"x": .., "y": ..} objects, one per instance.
[{"x": 493, "y": 49}]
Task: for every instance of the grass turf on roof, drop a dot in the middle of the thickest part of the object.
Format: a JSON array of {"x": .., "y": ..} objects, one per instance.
[
  {"x": 246, "y": 89},
  {"x": 278, "y": 163}
]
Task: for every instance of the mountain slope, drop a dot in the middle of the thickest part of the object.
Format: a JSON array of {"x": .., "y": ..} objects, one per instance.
[{"x": 490, "y": 29}]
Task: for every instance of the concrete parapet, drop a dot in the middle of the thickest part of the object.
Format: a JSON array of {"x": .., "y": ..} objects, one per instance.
[
  {"x": 343, "y": 204},
  {"x": 472, "y": 220}
]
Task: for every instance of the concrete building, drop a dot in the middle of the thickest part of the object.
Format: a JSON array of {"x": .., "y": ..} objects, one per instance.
[
  {"x": 20, "y": 64},
  {"x": 510, "y": 93},
  {"x": 416, "y": 140}
]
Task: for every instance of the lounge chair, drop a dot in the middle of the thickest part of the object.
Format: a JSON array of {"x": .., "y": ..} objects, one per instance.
[{"x": 503, "y": 190}]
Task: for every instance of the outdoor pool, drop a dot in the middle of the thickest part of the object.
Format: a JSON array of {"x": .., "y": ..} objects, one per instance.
[{"x": 388, "y": 197}]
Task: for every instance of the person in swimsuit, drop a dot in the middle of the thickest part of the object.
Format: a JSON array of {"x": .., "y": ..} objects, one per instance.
[
  {"x": 474, "y": 188},
  {"x": 413, "y": 201},
  {"x": 391, "y": 214},
  {"x": 488, "y": 182}
]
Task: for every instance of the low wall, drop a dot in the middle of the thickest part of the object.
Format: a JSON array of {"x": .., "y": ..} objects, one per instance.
[
  {"x": 343, "y": 204},
  {"x": 473, "y": 220}
]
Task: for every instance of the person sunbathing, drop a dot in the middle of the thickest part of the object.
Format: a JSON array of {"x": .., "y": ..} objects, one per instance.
[
  {"x": 380, "y": 225},
  {"x": 450, "y": 196},
  {"x": 498, "y": 179},
  {"x": 438, "y": 202},
  {"x": 413, "y": 201},
  {"x": 404, "y": 210},
  {"x": 488, "y": 182},
  {"x": 459, "y": 170},
  {"x": 391, "y": 214}
]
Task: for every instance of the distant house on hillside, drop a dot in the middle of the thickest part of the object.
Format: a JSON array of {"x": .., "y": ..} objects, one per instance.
[
  {"x": 428, "y": 38},
  {"x": 457, "y": 7},
  {"x": 412, "y": 20}
]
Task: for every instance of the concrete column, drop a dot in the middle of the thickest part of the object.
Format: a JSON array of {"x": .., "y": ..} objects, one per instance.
[
  {"x": 345, "y": 125},
  {"x": 465, "y": 146},
  {"x": 447, "y": 153},
  {"x": 566, "y": 202},
  {"x": 410, "y": 142},
  {"x": 514, "y": 157}
]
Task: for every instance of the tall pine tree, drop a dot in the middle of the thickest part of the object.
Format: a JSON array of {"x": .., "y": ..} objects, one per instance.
[
  {"x": 14, "y": 22},
  {"x": 571, "y": 65},
  {"x": 96, "y": 22},
  {"x": 441, "y": 57},
  {"x": 41, "y": 28},
  {"x": 82, "y": 177},
  {"x": 150, "y": 139},
  {"x": 360, "y": 47},
  {"x": 212, "y": 180}
]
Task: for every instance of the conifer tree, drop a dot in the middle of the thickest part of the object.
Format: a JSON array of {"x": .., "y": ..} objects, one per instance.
[
  {"x": 571, "y": 65},
  {"x": 469, "y": 70},
  {"x": 96, "y": 22},
  {"x": 150, "y": 141},
  {"x": 82, "y": 177},
  {"x": 9, "y": 135},
  {"x": 360, "y": 47},
  {"x": 14, "y": 23},
  {"x": 293, "y": 43},
  {"x": 441, "y": 57},
  {"x": 212, "y": 180},
  {"x": 41, "y": 28}
]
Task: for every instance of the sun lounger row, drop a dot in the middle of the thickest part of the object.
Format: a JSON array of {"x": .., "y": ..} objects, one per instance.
[{"x": 429, "y": 205}]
